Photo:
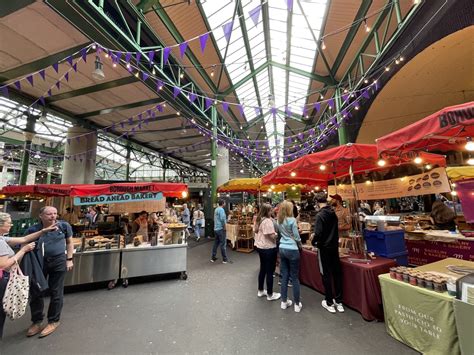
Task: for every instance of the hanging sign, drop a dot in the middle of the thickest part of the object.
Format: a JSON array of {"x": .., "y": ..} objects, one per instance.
[
  {"x": 117, "y": 198},
  {"x": 431, "y": 182}
]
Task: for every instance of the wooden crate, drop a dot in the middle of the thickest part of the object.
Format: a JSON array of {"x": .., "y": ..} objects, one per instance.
[{"x": 245, "y": 245}]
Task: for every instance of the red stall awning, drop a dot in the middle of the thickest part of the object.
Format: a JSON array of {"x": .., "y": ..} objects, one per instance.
[
  {"x": 168, "y": 189},
  {"x": 444, "y": 130},
  {"x": 336, "y": 162}
]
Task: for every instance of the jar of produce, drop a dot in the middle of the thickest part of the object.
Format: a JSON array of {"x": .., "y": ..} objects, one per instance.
[
  {"x": 412, "y": 279},
  {"x": 451, "y": 286},
  {"x": 429, "y": 282},
  {"x": 399, "y": 274},
  {"x": 420, "y": 281},
  {"x": 393, "y": 272},
  {"x": 438, "y": 285},
  {"x": 406, "y": 276}
]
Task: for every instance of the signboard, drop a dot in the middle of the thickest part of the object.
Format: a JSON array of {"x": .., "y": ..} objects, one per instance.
[
  {"x": 431, "y": 182},
  {"x": 118, "y": 198}
]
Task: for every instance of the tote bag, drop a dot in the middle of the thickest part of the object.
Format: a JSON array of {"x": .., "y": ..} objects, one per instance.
[{"x": 15, "y": 299}]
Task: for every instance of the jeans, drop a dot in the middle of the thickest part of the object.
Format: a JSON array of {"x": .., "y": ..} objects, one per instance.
[
  {"x": 290, "y": 267},
  {"x": 331, "y": 271},
  {"x": 55, "y": 269},
  {"x": 267, "y": 268},
  {"x": 3, "y": 287},
  {"x": 197, "y": 230},
  {"x": 221, "y": 241}
]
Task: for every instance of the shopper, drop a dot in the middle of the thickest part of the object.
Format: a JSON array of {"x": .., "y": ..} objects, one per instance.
[
  {"x": 70, "y": 216},
  {"x": 289, "y": 255},
  {"x": 198, "y": 222},
  {"x": 186, "y": 219},
  {"x": 265, "y": 241},
  {"x": 55, "y": 250},
  {"x": 343, "y": 216},
  {"x": 220, "y": 234},
  {"x": 326, "y": 239},
  {"x": 8, "y": 258}
]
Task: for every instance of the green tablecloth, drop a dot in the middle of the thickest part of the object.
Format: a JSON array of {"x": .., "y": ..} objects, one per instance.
[
  {"x": 465, "y": 325},
  {"x": 420, "y": 318}
]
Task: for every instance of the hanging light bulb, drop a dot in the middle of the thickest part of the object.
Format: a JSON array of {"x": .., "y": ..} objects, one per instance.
[
  {"x": 469, "y": 145},
  {"x": 402, "y": 59},
  {"x": 470, "y": 161},
  {"x": 368, "y": 182},
  {"x": 387, "y": 68},
  {"x": 317, "y": 188},
  {"x": 453, "y": 193},
  {"x": 212, "y": 71},
  {"x": 321, "y": 96},
  {"x": 367, "y": 28},
  {"x": 181, "y": 75},
  {"x": 397, "y": 61},
  {"x": 136, "y": 74},
  {"x": 178, "y": 113},
  {"x": 114, "y": 64},
  {"x": 381, "y": 162},
  {"x": 293, "y": 174},
  {"x": 428, "y": 167},
  {"x": 366, "y": 81},
  {"x": 322, "y": 167},
  {"x": 106, "y": 55},
  {"x": 293, "y": 188},
  {"x": 323, "y": 45},
  {"x": 128, "y": 65},
  {"x": 418, "y": 160},
  {"x": 153, "y": 71}
]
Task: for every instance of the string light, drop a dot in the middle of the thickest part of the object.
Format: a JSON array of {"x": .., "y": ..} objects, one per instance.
[
  {"x": 322, "y": 167},
  {"x": 454, "y": 193},
  {"x": 387, "y": 68},
  {"x": 293, "y": 188},
  {"x": 106, "y": 55},
  {"x": 428, "y": 167},
  {"x": 178, "y": 113},
  {"x": 128, "y": 65},
  {"x": 114, "y": 65},
  {"x": 293, "y": 174},
  {"x": 367, "y": 28},
  {"x": 181, "y": 75},
  {"x": 469, "y": 145},
  {"x": 136, "y": 74},
  {"x": 470, "y": 161},
  {"x": 418, "y": 160},
  {"x": 153, "y": 71},
  {"x": 381, "y": 162},
  {"x": 366, "y": 81},
  {"x": 323, "y": 45}
]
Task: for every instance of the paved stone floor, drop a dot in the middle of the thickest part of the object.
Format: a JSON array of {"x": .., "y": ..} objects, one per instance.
[{"x": 215, "y": 311}]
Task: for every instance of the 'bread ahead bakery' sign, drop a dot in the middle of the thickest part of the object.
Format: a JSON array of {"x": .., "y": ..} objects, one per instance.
[
  {"x": 431, "y": 182},
  {"x": 117, "y": 198}
]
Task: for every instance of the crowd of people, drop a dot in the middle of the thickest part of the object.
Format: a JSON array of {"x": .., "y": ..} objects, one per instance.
[{"x": 277, "y": 237}]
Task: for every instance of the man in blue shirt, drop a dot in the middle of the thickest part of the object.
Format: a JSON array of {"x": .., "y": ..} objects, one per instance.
[
  {"x": 55, "y": 252},
  {"x": 219, "y": 230}
]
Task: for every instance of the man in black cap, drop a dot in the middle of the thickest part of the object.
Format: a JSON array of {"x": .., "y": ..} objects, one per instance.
[{"x": 326, "y": 239}]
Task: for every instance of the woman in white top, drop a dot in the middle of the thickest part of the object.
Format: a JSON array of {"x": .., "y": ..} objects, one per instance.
[
  {"x": 198, "y": 222},
  {"x": 265, "y": 241},
  {"x": 8, "y": 258}
]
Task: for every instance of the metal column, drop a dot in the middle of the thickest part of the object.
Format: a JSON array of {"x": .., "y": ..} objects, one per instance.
[
  {"x": 342, "y": 127},
  {"x": 127, "y": 166},
  {"x": 49, "y": 171},
  {"x": 214, "y": 155},
  {"x": 29, "y": 134}
]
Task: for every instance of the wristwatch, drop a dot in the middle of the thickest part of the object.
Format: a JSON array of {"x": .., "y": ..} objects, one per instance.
[{"x": 69, "y": 259}]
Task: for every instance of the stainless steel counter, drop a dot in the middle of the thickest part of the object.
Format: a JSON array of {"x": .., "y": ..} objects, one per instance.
[
  {"x": 143, "y": 261},
  {"x": 94, "y": 266}
]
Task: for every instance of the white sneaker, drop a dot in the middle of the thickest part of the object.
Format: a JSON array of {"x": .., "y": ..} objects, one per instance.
[
  {"x": 330, "y": 308},
  {"x": 285, "y": 305},
  {"x": 298, "y": 307},
  {"x": 339, "y": 307},
  {"x": 275, "y": 296},
  {"x": 261, "y": 293}
]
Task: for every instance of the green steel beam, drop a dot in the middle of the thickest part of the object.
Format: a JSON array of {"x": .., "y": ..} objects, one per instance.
[
  {"x": 289, "y": 22},
  {"x": 227, "y": 47},
  {"x": 323, "y": 79},
  {"x": 361, "y": 14},
  {"x": 9, "y": 7},
  {"x": 120, "y": 108},
  {"x": 244, "y": 80},
  {"x": 243, "y": 27},
  {"x": 214, "y": 156},
  {"x": 39, "y": 64},
  {"x": 94, "y": 88}
]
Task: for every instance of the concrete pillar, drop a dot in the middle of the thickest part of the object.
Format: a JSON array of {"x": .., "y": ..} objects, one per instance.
[
  {"x": 222, "y": 165},
  {"x": 29, "y": 134},
  {"x": 80, "y": 167}
]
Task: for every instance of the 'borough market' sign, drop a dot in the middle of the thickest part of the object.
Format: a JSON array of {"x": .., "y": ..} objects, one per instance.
[{"x": 117, "y": 198}]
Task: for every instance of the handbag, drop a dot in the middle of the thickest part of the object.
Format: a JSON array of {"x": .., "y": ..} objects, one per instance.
[{"x": 16, "y": 294}]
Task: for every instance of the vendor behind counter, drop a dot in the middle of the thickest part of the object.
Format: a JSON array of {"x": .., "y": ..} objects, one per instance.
[{"x": 442, "y": 217}]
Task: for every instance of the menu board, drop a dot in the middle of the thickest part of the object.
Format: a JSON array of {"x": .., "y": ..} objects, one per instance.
[{"x": 431, "y": 182}]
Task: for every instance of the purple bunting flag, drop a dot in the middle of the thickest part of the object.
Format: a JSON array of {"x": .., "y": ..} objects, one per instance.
[
  {"x": 30, "y": 79},
  {"x": 138, "y": 56},
  {"x": 300, "y": 136},
  {"x": 128, "y": 56},
  {"x": 273, "y": 111},
  {"x": 182, "y": 48},
  {"x": 288, "y": 110},
  {"x": 159, "y": 107},
  {"x": 66, "y": 76},
  {"x": 366, "y": 94},
  {"x": 50, "y": 93},
  {"x": 69, "y": 60},
  {"x": 42, "y": 73},
  {"x": 258, "y": 111},
  {"x": 75, "y": 67},
  {"x": 166, "y": 54},
  {"x": 345, "y": 97},
  {"x": 145, "y": 76},
  {"x": 241, "y": 110},
  {"x": 130, "y": 121},
  {"x": 225, "y": 106},
  {"x": 151, "y": 55},
  {"x": 122, "y": 124},
  {"x": 331, "y": 104},
  {"x": 288, "y": 140},
  {"x": 5, "y": 91},
  {"x": 159, "y": 85},
  {"x": 58, "y": 85},
  {"x": 18, "y": 84},
  {"x": 56, "y": 67},
  {"x": 192, "y": 96},
  {"x": 84, "y": 54},
  {"x": 207, "y": 103},
  {"x": 317, "y": 106},
  {"x": 255, "y": 14},
  {"x": 176, "y": 91},
  {"x": 333, "y": 120},
  {"x": 203, "y": 41},
  {"x": 322, "y": 126},
  {"x": 227, "y": 28}
]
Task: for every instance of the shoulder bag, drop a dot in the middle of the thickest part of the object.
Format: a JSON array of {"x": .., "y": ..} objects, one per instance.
[{"x": 16, "y": 294}]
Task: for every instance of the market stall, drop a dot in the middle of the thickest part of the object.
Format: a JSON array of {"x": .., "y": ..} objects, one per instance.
[
  {"x": 109, "y": 257},
  {"x": 361, "y": 288},
  {"x": 421, "y": 313}
]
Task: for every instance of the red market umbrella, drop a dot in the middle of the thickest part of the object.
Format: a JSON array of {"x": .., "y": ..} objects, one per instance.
[
  {"x": 337, "y": 162},
  {"x": 447, "y": 129}
]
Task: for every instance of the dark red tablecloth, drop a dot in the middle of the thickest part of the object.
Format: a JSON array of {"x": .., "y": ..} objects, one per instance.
[{"x": 360, "y": 285}]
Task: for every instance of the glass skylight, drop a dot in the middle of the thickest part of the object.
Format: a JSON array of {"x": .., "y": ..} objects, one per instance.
[{"x": 296, "y": 50}]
